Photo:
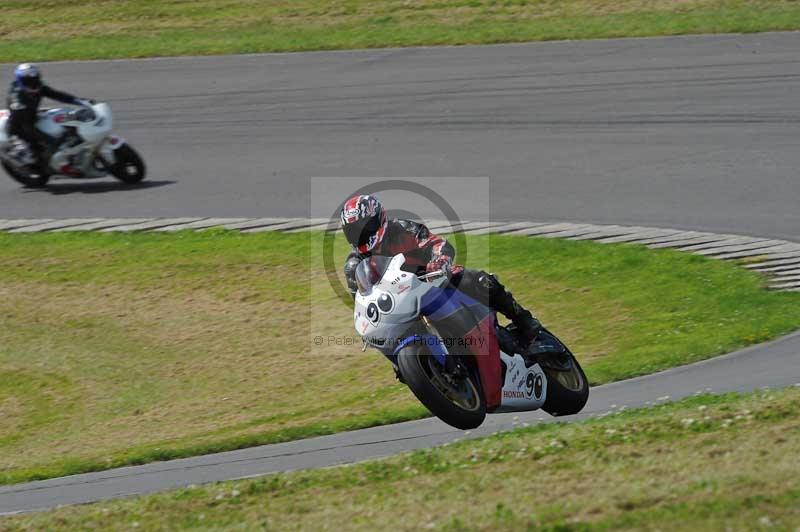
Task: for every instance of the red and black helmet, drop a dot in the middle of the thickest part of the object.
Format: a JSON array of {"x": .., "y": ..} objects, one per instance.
[{"x": 363, "y": 222}]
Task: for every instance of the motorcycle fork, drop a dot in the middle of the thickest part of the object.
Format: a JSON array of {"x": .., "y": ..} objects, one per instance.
[{"x": 452, "y": 363}]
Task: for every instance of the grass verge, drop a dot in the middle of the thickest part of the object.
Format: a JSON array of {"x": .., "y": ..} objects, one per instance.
[
  {"x": 125, "y": 349},
  {"x": 707, "y": 463},
  {"x": 41, "y": 30}
]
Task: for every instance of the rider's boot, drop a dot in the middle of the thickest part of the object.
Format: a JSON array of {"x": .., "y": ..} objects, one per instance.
[
  {"x": 528, "y": 326},
  {"x": 503, "y": 301},
  {"x": 39, "y": 161},
  {"x": 40, "y": 165}
]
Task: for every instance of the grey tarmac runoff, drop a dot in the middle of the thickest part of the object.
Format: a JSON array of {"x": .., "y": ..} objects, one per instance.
[{"x": 687, "y": 143}]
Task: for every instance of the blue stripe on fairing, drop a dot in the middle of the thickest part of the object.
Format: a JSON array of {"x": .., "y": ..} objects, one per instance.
[
  {"x": 438, "y": 303},
  {"x": 433, "y": 342}
]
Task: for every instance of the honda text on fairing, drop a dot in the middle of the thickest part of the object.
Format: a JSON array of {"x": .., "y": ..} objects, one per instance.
[
  {"x": 450, "y": 351},
  {"x": 82, "y": 147}
]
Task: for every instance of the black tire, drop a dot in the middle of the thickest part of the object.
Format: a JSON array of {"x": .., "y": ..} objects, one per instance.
[
  {"x": 26, "y": 180},
  {"x": 567, "y": 387},
  {"x": 418, "y": 369},
  {"x": 128, "y": 166}
]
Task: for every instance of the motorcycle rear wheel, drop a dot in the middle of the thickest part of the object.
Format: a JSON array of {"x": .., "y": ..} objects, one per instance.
[
  {"x": 456, "y": 401},
  {"x": 39, "y": 181},
  {"x": 128, "y": 165},
  {"x": 567, "y": 387}
]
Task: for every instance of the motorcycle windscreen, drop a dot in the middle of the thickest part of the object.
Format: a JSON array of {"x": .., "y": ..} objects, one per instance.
[{"x": 370, "y": 271}]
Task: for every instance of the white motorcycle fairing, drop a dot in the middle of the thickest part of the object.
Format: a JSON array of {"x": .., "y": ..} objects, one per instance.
[
  {"x": 4, "y": 126},
  {"x": 524, "y": 388},
  {"x": 386, "y": 308},
  {"x": 94, "y": 132}
]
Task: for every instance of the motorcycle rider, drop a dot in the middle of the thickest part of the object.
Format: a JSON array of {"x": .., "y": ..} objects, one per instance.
[
  {"x": 367, "y": 229},
  {"x": 24, "y": 96}
]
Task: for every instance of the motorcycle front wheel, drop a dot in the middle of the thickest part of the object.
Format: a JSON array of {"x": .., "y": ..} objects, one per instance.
[
  {"x": 128, "y": 165},
  {"x": 456, "y": 400},
  {"x": 26, "y": 180}
]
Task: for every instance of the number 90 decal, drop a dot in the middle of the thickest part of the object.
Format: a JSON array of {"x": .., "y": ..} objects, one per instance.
[{"x": 534, "y": 385}]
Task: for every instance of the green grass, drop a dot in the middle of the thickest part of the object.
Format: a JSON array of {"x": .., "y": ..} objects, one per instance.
[
  {"x": 124, "y": 349},
  {"x": 72, "y": 29},
  {"x": 706, "y": 463}
]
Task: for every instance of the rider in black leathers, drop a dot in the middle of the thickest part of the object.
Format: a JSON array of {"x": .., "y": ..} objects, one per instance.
[
  {"x": 24, "y": 96},
  {"x": 368, "y": 230}
]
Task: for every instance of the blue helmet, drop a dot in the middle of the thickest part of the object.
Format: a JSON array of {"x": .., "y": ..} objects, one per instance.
[{"x": 29, "y": 76}]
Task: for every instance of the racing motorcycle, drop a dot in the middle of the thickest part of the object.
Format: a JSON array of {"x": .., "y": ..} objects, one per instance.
[
  {"x": 82, "y": 147},
  {"x": 450, "y": 351}
]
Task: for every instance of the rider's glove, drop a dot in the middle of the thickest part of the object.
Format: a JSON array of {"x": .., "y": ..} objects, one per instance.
[
  {"x": 350, "y": 274},
  {"x": 85, "y": 103},
  {"x": 442, "y": 263}
]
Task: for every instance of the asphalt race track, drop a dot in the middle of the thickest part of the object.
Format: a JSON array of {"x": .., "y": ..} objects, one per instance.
[{"x": 691, "y": 133}]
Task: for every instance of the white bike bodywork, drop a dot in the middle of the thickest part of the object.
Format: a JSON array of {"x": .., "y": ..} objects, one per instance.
[
  {"x": 524, "y": 388},
  {"x": 384, "y": 310},
  {"x": 93, "y": 138},
  {"x": 404, "y": 290}
]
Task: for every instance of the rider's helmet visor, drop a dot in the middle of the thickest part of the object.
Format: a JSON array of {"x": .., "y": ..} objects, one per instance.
[
  {"x": 33, "y": 82},
  {"x": 360, "y": 232}
]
